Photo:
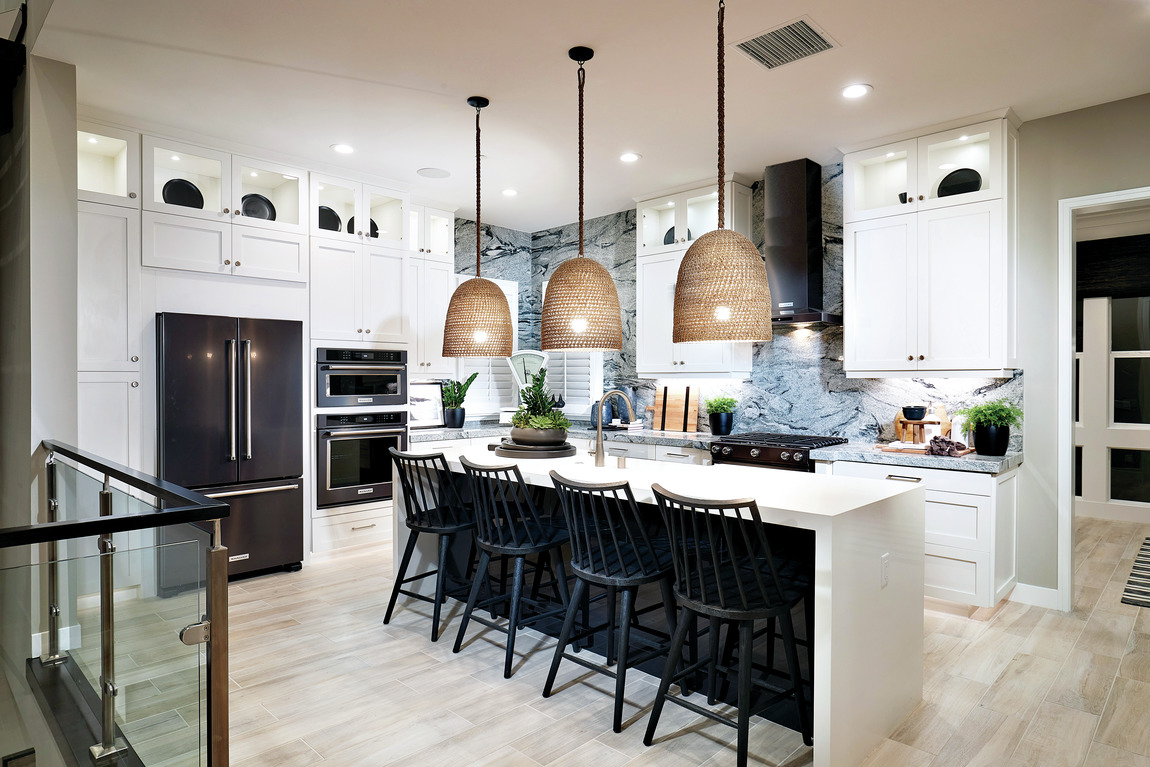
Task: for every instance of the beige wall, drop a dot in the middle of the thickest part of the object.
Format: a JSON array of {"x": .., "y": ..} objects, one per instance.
[{"x": 1090, "y": 151}]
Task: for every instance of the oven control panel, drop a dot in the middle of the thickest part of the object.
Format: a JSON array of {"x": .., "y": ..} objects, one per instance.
[
  {"x": 362, "y": 355},
  {"x": 398, "y": 418}
]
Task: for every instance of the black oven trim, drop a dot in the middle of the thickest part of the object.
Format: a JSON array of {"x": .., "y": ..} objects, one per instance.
[
  {"x": 348, "y": 425},
  {"x": 366, "y": 360}
]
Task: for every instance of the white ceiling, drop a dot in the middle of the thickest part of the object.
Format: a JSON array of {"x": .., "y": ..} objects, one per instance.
[{"x": 391, "y": 78}]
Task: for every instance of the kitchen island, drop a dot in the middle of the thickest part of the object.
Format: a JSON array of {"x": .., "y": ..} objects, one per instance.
[{"x": 868, "y": 617}]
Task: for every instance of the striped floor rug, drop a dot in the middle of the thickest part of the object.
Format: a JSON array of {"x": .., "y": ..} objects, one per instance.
[{"x": 1137, "y": 590}]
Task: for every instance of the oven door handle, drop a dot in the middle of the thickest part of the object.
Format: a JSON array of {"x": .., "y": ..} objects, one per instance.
[
  {"x": 361, "y": 432},
  {"x": 368, "y": 368}
]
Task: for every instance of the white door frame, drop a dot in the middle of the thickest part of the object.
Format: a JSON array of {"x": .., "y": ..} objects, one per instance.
[{"x": 1068, "y": 211}]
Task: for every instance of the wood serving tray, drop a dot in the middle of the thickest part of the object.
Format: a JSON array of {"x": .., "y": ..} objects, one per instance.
[{"x": 921, "y": 451}]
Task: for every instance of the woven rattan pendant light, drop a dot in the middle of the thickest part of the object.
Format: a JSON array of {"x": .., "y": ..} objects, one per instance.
[
  {"x": 478, "y": 318},
  {"x": 581, "y": 308},
  {"x": 722, "y": 293}
]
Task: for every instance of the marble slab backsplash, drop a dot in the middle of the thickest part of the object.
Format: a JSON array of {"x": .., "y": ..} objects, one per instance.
[{"x": 797, "y": 382}]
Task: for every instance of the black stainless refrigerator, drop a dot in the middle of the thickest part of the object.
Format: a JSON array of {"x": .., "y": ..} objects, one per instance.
[{"x": 231, "y": 427}]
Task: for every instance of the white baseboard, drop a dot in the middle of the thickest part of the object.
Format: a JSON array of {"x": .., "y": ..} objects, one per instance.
[
  {"x": 1038, "y": 596},
  {"x": 92, "y": 601},
  {"x": 1116, "y": 512},
  {"x": 69, "y": 640}
]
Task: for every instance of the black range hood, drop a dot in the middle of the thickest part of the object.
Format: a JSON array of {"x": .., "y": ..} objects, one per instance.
[{"x": 792, "y": 214}]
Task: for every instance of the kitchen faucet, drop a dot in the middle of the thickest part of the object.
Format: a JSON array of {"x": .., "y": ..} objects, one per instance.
[{"x": 599, "y": 457}]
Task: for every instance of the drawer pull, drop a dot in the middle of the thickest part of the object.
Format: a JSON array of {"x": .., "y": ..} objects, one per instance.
[
  {"x": 363, "y": 527},
  {"x": 901, "y": 478},
  {"x": 676, "y": 455}
]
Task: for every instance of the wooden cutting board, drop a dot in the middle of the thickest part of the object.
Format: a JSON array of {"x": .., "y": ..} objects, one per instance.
[
  {"x": 918, "y": 451},
  {"x": 676, "y": 408}
]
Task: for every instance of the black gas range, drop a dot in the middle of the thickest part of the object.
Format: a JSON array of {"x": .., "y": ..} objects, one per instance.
[{"x": 772, "y": 451}]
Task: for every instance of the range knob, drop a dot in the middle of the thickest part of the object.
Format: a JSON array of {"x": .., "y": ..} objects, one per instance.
[
  {"x": 784, "y": 455},
  {"x": 726, "y": 451},
  {"x": 798, "y": 456},
  {"x": 714, "y": 448},
  {"x": 754, "y": 452}
]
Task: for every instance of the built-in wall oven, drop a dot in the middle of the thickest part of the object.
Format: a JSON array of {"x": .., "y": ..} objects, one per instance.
[
  {"x": 352, "y": 462},
  {"x": 360, "y": 377}
]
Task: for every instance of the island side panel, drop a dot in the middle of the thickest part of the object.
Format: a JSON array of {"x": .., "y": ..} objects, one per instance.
[{"x": 869, "y": 644}]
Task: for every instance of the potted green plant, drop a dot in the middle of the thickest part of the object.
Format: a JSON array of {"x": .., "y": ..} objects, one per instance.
[
  {"x": 538, "y": 421},
  {"x": 991, "y": 422},
  {"x": 721, "y": 413},
  {"x": 454, "y": 392}
]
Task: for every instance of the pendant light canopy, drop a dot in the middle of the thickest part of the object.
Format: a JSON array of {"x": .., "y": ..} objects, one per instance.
[
  {"x": 722, "y": 293},
  {"x": 581, "y": 308},
  {"x": 478, "y": 318}
]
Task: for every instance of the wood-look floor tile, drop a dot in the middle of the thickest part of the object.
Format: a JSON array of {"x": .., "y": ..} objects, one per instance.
[
  {"x": 987, "y": 656},
  {"x": 1126, "y": 721},
  {"x": 984, "y": 739},
  {"x": 943, "y": 708},
  {"x": 592, "y": 752},
  {"x": 1021, "y": 686},
  {"x": 1102, "y": 755},
  {"x": 1111, "y": 598},
  {"x": 1085, "y": 598},
  {"x": 1084, "y": 681},
  {"x": 1054, "y": 636},
  {"x": 891, "y": 753},
  {"x": 1019, "y": 619},
  {"x": 1095, "y": 572},
  {"x": 294, "y": 754},
  {"x": 1058, "y": 737},
  {"x": 1106, "y": 633}
]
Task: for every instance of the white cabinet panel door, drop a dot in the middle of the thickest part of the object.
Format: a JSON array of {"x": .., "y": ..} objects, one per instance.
[
  {"x": 960, "y": 326},
  {"x": 655, "y": 313},
  {"x": 384, "y": 297},
  {"x": 335, "y": 300},
  {"x": 879, "y": 284},
  {"x": 178, "y": 242},
  {"x": 269, "y": 255},
  {"x": 437, "y": 283},
  {"x": 109, "y": 416},
  {"x": 108, "y": 287}
]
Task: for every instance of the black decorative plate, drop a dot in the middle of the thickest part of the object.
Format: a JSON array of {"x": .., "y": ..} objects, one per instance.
[
  {"x": 351, "y": 227},
  {"x": 328, "y": 219},
  {"x": 178, "y": 191},
  {"x": 669, "y": 237},
  {"x": 258, "y": 206},
  {"x": 960, "y": 181}
]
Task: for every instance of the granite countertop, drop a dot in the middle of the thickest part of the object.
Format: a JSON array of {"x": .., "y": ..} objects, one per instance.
[
  {"x": 467, "y": 432},
  {"x": 699, "y": 440},
  {"x": 866, "y": 452}
]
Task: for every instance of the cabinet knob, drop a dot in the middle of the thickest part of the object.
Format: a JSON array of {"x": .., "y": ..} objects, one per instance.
[
  {"x": 135, "y": 384},
  {"x": 359, "y": 233},
  {"x": 237, "y": 263},
  {"x": 359, "y": 330},
  {"x": 921, "y": 197},
  {"x": 228, "y": 211},
  {"x": 238, "y": 211},
  {"x": 132, "y": 195},
  {"x": 921, "y": 357},
  {"x": 227, "y": 262},
  {"x": 910, "y": 357},
  {"x": 367, "y": 331},
  {"x": 135, "y": 358}
]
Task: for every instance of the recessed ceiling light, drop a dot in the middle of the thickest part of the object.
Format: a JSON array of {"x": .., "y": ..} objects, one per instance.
[
  {"x": 963, "y": 138},
  {"x": 856, "y": 91},
  {"x": 176, "y": 157},
  {"x": 93, "y": 140},
  {"x": 433, "y": 173},
  {"x": 630, "y": 157},
  {"x": 947, "y": 166},
  {"x": 342, "y": 148},
  {"x": 255, "y": 175},
  {"x": 671, "y": 204},
  {"x": 509, "y": 192}
]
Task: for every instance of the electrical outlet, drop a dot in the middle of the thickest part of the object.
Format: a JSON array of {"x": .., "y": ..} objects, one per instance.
[{"x": 884, "y": 570}]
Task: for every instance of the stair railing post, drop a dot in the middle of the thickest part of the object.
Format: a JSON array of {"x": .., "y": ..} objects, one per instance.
[
  {"x": 53, "y": 655},
  {"x": 109, "y": 744}
]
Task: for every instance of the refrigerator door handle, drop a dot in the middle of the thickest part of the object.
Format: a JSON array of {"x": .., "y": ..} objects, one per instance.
[
  {"x": 247, "y": 399},
  {"x": 256, "y": 491},
  {"x": 232, "y": 385}
]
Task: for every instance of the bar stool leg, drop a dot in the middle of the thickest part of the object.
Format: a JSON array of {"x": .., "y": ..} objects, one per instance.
[
  {"x": 713, "y": 662},
  {"x": 796, "y": 678},
  {"x": 746, "y": 639},
  {"x": 472, "y": 597},
  {"x": 440, "y": 584},
  {"x": 611, "y": 605},
  {"x": 674, "y": 655},
  {"x": 513, "y": 613},
  {"x": 624, "y": 641},
  {"x": 565, "y": 634},
  {"x": 403, "y": 563}
]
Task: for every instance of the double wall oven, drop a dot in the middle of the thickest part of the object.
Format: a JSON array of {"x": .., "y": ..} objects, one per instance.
[{"x": 369, "y": 388}]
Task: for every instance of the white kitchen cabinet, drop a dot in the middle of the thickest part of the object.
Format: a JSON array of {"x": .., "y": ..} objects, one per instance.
[
  {"x": 354, "y": 212},
  {"x": 179, "y": 167},
  {"x": 691, "y": 455},
  {"x": 107, "y": 165},
  {"x": 108, "y": 325},
  {"x": 676, "y": 218},
  {"x": 970, "y": 529},
  {"x": 217, "y": 247},
  {"x": 656, "y": 354},
  {"x": 283, "y": 190},
  {"x": 429, "y": 287},
  {"x": 431, "y": 231},
  {"x": 268, "y": 254},
  {"x": 359, "y": 292},
  {"x": 343, "y": 526},
  {"x": 110, "y": 416}
]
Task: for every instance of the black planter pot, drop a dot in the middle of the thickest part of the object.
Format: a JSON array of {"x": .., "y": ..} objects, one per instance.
[
  {"x": 991, "y": 440},
  {"x": 453, "y": 417},
  {"x": 721, "y": 423}
]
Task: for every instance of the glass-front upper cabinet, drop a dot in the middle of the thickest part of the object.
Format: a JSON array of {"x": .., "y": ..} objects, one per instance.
[
  {"x": 354, "y": 212},
  {"x": 431, "y": 231},
  {"x": 881, "y": 181},
  {"x": 268, "y": 195},
  {"x": 186, "y": 180},
  {"x": 107, "y": 165},
  {"x": 673, "y": 221}
]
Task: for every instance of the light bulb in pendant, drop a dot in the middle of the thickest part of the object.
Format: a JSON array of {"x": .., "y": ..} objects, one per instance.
[
  {"x": 722, "y": 313},
  {"x": 480, "y": 336},
  {"x": 579, "y": 325}
]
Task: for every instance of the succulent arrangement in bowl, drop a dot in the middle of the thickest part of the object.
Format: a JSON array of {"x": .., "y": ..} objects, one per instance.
[{"x": 539, "y": 421}]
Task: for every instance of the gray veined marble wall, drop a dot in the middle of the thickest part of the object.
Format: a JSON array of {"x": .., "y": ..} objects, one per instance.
[{"x": 797, "y": 382}]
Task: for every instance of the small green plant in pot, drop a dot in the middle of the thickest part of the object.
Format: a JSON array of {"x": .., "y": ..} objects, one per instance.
[
  {"x": 454, "y": 392},
  {"x": 539, "y": 421},
  {"x": 721, "y": 413},
  {"x": 991, "y": 422}
]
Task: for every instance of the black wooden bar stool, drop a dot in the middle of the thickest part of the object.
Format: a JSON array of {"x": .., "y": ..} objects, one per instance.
[
  {"x": 432, "y": 503},
  {"x": 724, "y": 571},
  {"x": 612, "y": 547},
  {"x": 509, "y": 523}
]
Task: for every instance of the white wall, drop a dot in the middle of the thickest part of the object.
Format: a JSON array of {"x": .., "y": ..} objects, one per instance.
[{"x": 1089, "y": 151}]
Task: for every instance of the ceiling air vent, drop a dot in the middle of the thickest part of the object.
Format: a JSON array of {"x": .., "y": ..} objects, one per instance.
[{"x": 785, "y": 44}]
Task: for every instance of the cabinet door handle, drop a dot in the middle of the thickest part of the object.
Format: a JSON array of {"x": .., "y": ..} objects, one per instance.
[
  {"x": 132, "y": 195},
  {"x": 237, "y": 263},
  {"x": 226, "y": 210},
  {"x": 910, "y": 357},
  {"x": 363, "y": 527},
  {"x": 227, "y": 262},
  {"x": 921, "y": 357},
  {"x": 921, "y": 197},
  {"x": 135, "y": 384},
  {"x": 901, "y": 478},
  {"x": 367, "y": 331},
  {"x": 359, "y": 233},
  {"x": 238, "y": 212},
  {"x": 135, "y": 358}
]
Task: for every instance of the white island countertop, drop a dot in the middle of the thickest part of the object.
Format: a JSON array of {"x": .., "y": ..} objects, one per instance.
[{"x": 868, "y": 615}]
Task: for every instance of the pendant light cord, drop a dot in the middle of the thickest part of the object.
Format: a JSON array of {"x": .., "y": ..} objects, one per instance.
[
  {"x": 722, "y": 119},
  {"x": 478, "y": 198},
  {"x": 582, "y": 80}
]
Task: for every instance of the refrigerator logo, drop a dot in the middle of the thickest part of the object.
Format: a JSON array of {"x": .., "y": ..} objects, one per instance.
[
  {"x": 238, "y": 558},
  {"x": 366, "y": 490},
  {"x": 364, "y": 399}
]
